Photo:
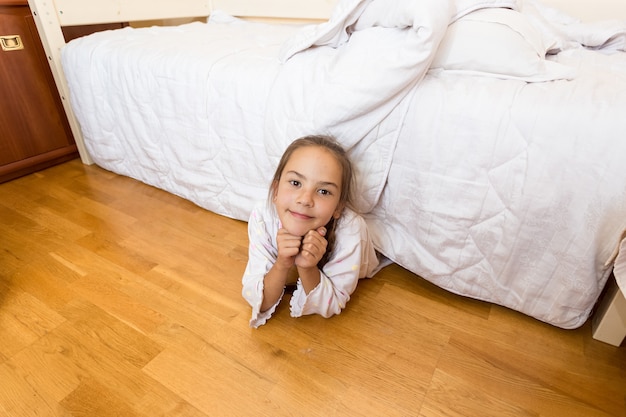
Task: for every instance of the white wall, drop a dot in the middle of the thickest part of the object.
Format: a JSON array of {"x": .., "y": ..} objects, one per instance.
[{"x": 591, "y": 10}]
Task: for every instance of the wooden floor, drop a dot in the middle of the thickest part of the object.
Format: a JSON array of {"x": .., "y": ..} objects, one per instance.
[{"x": 118, "y": 299}]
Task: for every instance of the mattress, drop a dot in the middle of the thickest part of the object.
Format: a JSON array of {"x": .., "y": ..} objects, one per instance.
[{"x": 512, "y": 192}]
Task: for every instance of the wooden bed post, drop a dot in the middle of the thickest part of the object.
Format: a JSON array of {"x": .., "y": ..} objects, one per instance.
[
  {"x": 609, "y": 321},
  {"x": 49, "y": 27}
]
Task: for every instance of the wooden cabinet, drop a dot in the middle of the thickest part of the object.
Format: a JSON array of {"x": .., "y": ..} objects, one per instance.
[{"x": 34, "y": 132}]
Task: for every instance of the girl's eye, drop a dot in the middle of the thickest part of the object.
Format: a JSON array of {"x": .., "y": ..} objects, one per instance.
[
  {"x": 295, "y": 183},
  {"x": 324, "y": 192}
]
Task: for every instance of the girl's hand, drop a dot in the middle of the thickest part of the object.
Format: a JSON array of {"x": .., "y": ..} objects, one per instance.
[
  {"x": 288, "y": 248},
  {"x": 313, "y": 248}
]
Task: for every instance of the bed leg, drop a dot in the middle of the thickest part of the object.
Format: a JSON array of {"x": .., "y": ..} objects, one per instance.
[
  {"x": 49, "y": 29},
  {"x": 609, "y": 321}
]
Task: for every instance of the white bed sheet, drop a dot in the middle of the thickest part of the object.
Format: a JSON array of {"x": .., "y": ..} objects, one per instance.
[
  {"x": 500, "y": 190},
  {"x": 524, "y": 211},
  {"x": 160, "y": 105},
  {"x": 174, "y": 85}
]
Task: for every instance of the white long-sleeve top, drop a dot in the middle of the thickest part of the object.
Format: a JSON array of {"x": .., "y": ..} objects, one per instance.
[{"x": 353, "y": 257}]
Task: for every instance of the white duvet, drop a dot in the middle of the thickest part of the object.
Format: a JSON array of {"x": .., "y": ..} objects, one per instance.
[{"x": 494, "y": 187}]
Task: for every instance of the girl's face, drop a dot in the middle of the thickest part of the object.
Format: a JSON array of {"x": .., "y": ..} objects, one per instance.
[{"x": 308, "y": 191}]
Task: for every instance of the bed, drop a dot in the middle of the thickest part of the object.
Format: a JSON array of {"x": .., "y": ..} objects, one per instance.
[{"x": 488, "y": 136}]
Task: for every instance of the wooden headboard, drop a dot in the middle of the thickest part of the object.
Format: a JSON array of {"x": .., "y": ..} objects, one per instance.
[{"x": 51, "y": 15}]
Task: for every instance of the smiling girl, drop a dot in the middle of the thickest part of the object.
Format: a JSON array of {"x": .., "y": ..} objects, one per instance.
[{"x": 307, "y": 234}]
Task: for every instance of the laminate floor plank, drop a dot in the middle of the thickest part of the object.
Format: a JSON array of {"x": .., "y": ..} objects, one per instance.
[{"x": 120, "y": 299}]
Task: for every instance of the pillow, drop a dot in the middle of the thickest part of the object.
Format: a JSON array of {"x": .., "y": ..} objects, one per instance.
[{"x": 498, "y": 42}]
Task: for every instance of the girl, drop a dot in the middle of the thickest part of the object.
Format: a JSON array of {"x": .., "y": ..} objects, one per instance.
[{"x": 306, "y": 233}]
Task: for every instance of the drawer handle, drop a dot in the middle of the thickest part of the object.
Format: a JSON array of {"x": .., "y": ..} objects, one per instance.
[{"x": 11, "y": 42}]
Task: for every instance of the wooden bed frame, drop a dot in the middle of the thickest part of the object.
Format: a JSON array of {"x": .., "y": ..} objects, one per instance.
[{"x": 51, "y": 15}]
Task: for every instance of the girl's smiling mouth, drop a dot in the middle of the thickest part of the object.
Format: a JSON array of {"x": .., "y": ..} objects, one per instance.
[{"x": 300, "y": 215}]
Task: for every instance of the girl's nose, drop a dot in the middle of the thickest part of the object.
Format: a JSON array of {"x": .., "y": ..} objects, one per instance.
[{"x": 305, "y": 198}]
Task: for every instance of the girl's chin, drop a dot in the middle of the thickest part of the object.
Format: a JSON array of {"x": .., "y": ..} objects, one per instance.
[{"x": 299, "y": 229}]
